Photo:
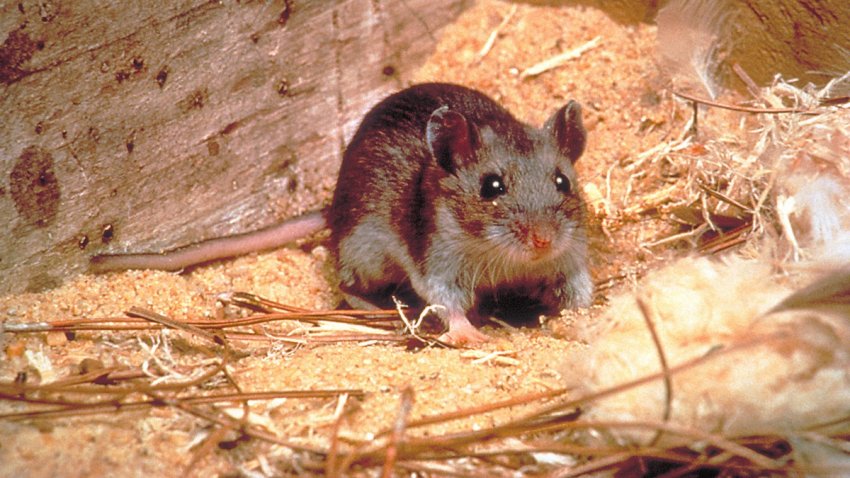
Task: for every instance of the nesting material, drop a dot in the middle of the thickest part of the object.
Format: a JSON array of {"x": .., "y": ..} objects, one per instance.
[
  {"x": 771, "y": 373},
  {"x": 812, "y": 195},
  {"x": 777, "y": 365}
]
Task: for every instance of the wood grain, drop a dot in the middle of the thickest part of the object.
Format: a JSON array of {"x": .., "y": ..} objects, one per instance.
[{"x": 141, "y": 126}]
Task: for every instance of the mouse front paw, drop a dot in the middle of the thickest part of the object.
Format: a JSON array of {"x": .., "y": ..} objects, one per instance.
[{"x": 575, "y": 291}]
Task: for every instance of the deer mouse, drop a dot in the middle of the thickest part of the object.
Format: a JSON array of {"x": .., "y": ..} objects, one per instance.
[{"x": 442, "y": 196}]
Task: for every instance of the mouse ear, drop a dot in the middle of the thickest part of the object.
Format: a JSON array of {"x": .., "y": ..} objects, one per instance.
[
  {"x": 570, "y": 135},
  {"x": 451, "y": 139}
]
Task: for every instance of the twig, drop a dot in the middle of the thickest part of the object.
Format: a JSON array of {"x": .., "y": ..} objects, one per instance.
[
  {"x": 255, "y": 432},
  {"x": 371, "y": 449},
  {"x": 207, "y": 447},
  {"x": 745, "y": 109},
  {"x": 331, "y": 470},
  {"x": 751, "y": 85},
  {"x": 73, "y": 409},
  {"x": 725, "y": 241},
  {"x": 665, "y": 368},
  {"x": 374, "y": 323},
  {"x": 412, "y": 327},
  {"x": 785, "y": 206},
  {"x": 398, "y": 430},
  {"x": 676, "y": 237},
  {"x": 554, "y": 424},
  {"x": 697, "y": 435},
  {"x": 724, "y": 198},
  {"x": 560, "y": 59},
  {"x": 595, "y": 465},
  {"x": 23, "y": 392},
  {"x": 255, "y": 302},
  {"x": 174, "y": 324},
  {"x": 478, "y": 410},
  {"x": 693, "y": 127},
  {"x": 491, "y": 40}
]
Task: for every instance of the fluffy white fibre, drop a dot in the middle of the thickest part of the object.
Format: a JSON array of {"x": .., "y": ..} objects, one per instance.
[
  {"x": 813, "y": 199},
  {"x": 798, "y": 376}
]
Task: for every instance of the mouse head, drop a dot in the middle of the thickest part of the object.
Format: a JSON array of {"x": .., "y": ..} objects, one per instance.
[
  {"x": 454, "y": 141},
  {"x": 509, "y": 189}
]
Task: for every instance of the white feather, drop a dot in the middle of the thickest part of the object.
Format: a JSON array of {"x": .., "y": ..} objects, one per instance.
[{"x": 690, "y": 42}]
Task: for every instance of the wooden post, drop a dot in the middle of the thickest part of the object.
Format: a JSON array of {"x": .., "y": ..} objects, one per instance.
[{"x": 141, "y": 126}]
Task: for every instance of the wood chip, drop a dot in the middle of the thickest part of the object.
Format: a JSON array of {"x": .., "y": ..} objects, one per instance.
[{"x": 561, "y": 59}]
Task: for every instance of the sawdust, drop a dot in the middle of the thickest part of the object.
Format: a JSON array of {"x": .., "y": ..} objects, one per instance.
[{"x": 627, "y": 112}]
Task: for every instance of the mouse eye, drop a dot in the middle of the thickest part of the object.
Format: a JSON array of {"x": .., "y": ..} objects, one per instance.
[
  {"x": 562, "y": 183},
  {"x": 492, "y": 186}
]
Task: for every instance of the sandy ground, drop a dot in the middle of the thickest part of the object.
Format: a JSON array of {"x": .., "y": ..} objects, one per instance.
[{"x": 627, "y": 111}]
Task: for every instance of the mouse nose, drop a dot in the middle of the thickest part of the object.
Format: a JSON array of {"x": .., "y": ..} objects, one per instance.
[
  {"x": 539, "y": 235},
  {"x": 536, "y": 236},
  {"x": 540, "y": 239}
]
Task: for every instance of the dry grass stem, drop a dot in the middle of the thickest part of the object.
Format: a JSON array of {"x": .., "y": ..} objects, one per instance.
[
  {"x": 491, "y": 40},
  {"x": 745, "y": 109},
  {"x": 560, "y": 59},
  {"x": 662, "y": 359}
]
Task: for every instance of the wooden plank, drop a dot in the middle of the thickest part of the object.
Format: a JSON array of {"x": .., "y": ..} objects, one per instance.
[{"x": 141, "y": 126}]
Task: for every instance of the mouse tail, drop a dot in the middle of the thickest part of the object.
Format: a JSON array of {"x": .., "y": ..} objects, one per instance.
[{"x": 267, "y": 238}]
